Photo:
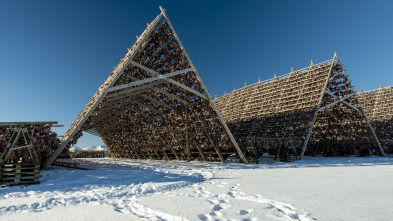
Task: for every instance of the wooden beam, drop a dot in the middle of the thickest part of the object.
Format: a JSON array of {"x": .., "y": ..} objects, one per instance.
[
  {"x": 147, "y": 80},
  {"x": 125, "y": 96},
  {"x": 157, "y": 101},
  {"x": 335, "y": 102},
  {"x": 187, "y": 88},
  {"x": 344, "y": 102},
  {"x": 37, "y": 123},
  {"x": 129, "y": 91},
  {"x": 162, "y": 91}
]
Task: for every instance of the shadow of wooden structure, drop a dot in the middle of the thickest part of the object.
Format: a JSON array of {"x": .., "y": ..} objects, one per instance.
[
  {"x": 154, "y": 105},
  {"x": 310, "y": 111}
]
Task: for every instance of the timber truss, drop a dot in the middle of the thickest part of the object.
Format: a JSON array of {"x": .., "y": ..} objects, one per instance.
[
  {"x": 313, "y": 110},
  {"x": 155, "y": 105}
]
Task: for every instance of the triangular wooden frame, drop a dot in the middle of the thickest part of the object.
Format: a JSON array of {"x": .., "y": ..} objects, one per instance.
[
  {"x": 112, "y": 93},
  {"x": 337, "y": 100},
  {"x": 270, "y": 113},
  {"x": 12, "y": 145}
]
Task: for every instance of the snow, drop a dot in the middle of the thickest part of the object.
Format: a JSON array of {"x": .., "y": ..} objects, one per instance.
[
  {"x": 123, "y": 189},
  {"x": 89, "y": 148},
  {"x": 75, "y": 148}
]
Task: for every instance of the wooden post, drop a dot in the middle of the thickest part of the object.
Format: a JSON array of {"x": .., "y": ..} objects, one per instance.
[
  {"x": 166, "y": 156},
  {"x": 308, "y": 135},
  {"x": 186, "y": 112},
  {"x": 174, "y": 153},
  {"x": 18, "y": 173},
  {"x": 158, "y": 155},
  {"x": 187, "y": 136}
]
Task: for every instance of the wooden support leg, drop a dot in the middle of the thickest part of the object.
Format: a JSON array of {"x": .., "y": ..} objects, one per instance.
[
  {"x": 166, "y": 156},
  {"x": 136, "y": 154},
  {"x": 308, "y": 135},
  {"x": 373, "y": 133},
  {"x": 151, "y": 156},
  {"x": 333, "y": 151},
  {"x": 187, "y": 136},
  {"x": 198, "y": 145},
  {"x": 354, "y": 149},
  {"x": 165, "y": 140},
  {"x": 174, "y": 153},
  {"x": 18, "y": 173},
  {"x": 158, "y": 155},
  {"x": 186, "y": 116},
  {"x": 144, "y": 156}
]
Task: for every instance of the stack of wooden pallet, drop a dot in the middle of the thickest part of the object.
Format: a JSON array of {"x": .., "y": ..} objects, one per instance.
[{"x": 20, "y": 173}]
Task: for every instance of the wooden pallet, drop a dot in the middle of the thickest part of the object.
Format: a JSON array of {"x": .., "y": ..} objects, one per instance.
[
  {"x": 289, "y": 158},
  {"x": 19, "y": 174},
  {"x": 252, "y": 159}
]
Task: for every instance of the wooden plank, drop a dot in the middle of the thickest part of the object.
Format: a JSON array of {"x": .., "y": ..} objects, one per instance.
[{"x": 27, "y": 123}]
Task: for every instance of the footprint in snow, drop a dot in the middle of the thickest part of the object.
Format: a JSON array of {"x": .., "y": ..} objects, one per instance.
[
  {"x": 248, "y": 219},
  {"x": 245, "y": 212},
  {"x": 204, "y": 217},
  {"x": 219, "y": 184}
]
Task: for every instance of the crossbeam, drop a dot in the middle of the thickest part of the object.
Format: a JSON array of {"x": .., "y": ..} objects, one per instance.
[
  {"x": 129, "y": 91},
  {"x": 335, "y": 102},
  {"x": 171, "y": 80},
  {"x": 162, "y": 91},
  {"x": 344, "y": 102},
  {"x": 147, "y": 80}
]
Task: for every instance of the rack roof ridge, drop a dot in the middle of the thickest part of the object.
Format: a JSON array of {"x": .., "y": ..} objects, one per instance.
[
  {"x": 375, "y": 90},
  {"x": 280, "y": 77}
]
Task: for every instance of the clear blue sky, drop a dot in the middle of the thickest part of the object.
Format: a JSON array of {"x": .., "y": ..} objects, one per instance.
[{"x": 55, "y": 54}]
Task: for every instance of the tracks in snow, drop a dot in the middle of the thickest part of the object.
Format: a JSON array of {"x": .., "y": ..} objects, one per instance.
[{"x": 226, "y": 200}]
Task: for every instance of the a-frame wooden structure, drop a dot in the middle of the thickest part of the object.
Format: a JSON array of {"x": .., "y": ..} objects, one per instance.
[
  {"x": 20, "y": 140},
  {"x": 378, "y": 106},
  {"x": 155, "y": 105},
  {"x": 312, "y": 109},
  {"x": 19, "y": 162}
]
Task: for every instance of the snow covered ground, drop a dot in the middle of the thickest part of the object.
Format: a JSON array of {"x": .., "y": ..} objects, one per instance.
[
  {"x": 89, "y": 148},
  {"x": 121, "y": 189}
]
